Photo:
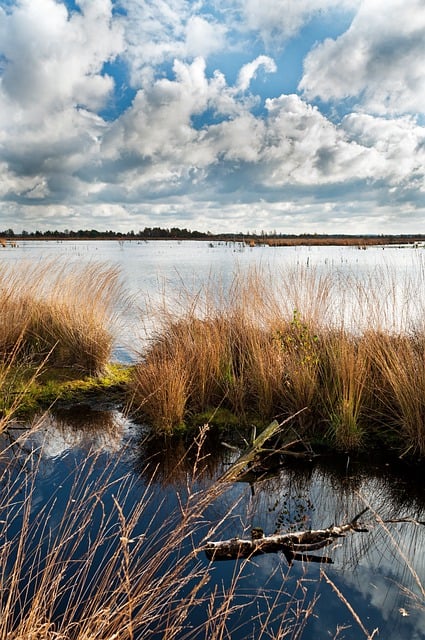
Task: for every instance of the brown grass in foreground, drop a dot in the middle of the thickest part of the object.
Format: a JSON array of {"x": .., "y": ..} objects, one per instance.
[
  {"x": 70, "y": 580},
  {"x": 95, "y": 574},
  {"x": 268, "y": 349}
]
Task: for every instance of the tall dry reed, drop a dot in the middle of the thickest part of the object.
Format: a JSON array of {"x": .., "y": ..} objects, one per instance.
[
  {"x": 346, "y": 388},
  {"x": 94, "y": 574},
  {"x": 64, "y": 310},
  {"x": 269, "y": 345},
  {"x": 240, "y": 349},
  {"x": 399, "y": 361}
]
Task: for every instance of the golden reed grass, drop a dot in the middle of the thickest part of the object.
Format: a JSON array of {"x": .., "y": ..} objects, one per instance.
[
  {"x": 349, "y": 350},
  {"x": 64, "y": 310}
]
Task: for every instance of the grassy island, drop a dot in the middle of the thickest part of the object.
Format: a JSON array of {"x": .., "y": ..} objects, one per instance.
[
  {"x": 270, "y": 346},
  {"x": 263, "y": 348}
]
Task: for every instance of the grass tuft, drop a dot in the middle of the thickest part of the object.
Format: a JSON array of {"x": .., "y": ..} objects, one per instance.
[
  {"x": 63, "y": 312},
  {"x": 266, "y": 347}
]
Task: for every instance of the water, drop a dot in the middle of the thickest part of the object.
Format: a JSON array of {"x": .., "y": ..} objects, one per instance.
[
  {"x": 75, "y": 452},
  {"x": 379, "y": 575}
]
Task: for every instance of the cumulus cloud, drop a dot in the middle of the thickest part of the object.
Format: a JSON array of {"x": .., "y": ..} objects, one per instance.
[
  {"x": 293, "y": 144},
  {"x": 195, "y": 141},
  {"x": 282, "y": 19},
  {"x": 202, "y": 37},
  {"x": 401, "y": 142},
  {"x": 54, "y": 60},
  {"x": 159, "y": 31},
  {"x": 378, "y": 60},
  {"x": 159, "y": 122},
  {"x": 50, "y": 89}
]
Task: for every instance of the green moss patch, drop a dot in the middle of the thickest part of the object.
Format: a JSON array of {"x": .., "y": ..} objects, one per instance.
[{"x": 64, "y": 388}]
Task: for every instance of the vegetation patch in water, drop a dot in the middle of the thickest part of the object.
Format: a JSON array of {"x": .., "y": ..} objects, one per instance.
[
  {"x": 265, "y": 347},
  {"x": 261, "y": 351}
]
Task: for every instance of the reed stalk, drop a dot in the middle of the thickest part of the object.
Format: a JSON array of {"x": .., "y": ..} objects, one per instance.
[
  {"x": 346, "y": 376},
  {"x": 400, "y": 396}
]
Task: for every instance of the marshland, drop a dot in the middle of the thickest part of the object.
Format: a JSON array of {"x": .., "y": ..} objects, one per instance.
[{"x": 133, "y": 374}]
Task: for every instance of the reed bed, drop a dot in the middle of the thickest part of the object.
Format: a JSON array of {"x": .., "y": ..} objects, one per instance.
[
  {"x": 61, "y": 311},
  {"x": 350, "y": 351},
  {"x": 342, "y": 241}
]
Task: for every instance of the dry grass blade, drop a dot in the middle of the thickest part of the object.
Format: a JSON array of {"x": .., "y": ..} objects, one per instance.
[{"x": 349, "y": 607}]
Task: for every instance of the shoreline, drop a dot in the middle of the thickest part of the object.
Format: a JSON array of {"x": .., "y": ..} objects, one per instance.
[{"x": 276, "y": 240}]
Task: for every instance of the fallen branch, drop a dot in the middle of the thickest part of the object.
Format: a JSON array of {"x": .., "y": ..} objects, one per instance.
[
  {"x": 295, "y": 545},
  {"x": 246, "y": 463}
]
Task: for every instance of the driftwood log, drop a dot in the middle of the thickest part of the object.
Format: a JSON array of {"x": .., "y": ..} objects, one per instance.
[{"x": 295, "y": 545}]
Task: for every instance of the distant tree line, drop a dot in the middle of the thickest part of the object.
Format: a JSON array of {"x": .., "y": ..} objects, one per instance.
[
  {"x": 178, "y": 233},
  {"x": 148, "y": 232}
]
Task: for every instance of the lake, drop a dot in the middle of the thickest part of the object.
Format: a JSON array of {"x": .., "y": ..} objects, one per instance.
[{"x": 376, "y": 579}]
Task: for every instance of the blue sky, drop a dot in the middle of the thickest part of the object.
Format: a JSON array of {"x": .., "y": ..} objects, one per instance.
[{"x": 218, "y": 115}]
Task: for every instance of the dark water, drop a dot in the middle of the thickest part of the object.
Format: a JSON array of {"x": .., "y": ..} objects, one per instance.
[{"x": 375, "y": 580}]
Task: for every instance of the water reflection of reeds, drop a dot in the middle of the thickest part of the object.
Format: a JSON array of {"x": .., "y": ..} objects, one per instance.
[
  {"x": 169, "y": 503},
  {"x": 170, "y": 461}
]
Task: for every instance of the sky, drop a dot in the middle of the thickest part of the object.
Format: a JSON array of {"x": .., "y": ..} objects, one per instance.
[{"x": 295, "y": 116}]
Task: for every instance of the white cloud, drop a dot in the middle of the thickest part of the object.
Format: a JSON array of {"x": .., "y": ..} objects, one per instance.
[
  {"x": 378, "y": 60},
  {"x": 159, "y": 31},
  {"x": 294, "y": 144},
  {"x": 249, "y": 71},
  {"x": 155, "y": 149},
  {"x": 278, "y": 20},
  {"x": 203, "y": 37},
  {"x": 54, "y": 60},
  {"x": 400, "y": 142},
  {"x": 158, "y": 123},
  {"x": 238, "y": 140},
  {"x": 53, "y": 64},
  {"x": 305, "y": 148}
]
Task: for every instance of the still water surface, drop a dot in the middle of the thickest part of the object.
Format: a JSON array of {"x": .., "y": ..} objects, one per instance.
[{"x": 381, "y": 574}]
